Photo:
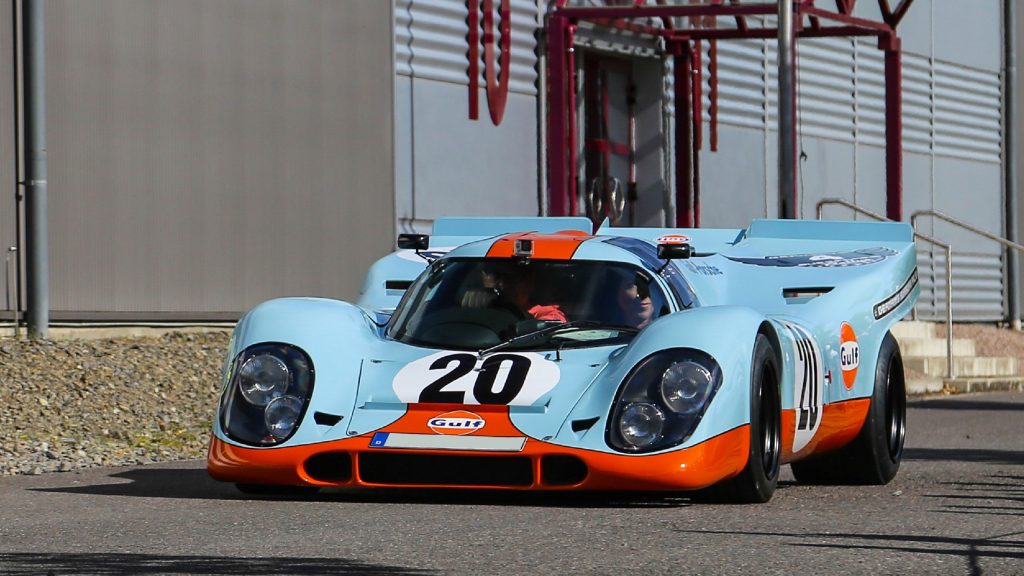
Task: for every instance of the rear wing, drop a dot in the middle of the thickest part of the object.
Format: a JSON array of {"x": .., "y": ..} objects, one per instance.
[{"x": 829, "y": 230}]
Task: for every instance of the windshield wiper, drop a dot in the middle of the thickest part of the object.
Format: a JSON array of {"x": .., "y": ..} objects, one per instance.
[{"x": 575, "y": 325}]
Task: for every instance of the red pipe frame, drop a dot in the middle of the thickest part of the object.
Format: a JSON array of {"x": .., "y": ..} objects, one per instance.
[{"x": 843, "y": 24}]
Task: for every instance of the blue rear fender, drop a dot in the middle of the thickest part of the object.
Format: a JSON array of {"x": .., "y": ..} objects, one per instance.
[
  {"x": 336, "y": 335},
  {"x": 727, "y": 333}
]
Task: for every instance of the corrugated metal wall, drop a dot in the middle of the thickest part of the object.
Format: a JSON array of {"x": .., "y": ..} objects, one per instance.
[
  {"x": 952, "y": 138},
  {"x": 205, "y": 156},
  {"x": 447, "y": 164}
]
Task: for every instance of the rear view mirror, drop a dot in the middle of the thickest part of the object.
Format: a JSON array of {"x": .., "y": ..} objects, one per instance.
[
  {"x": 674, "y": 251},
  {"x": 413, "y": 241}
]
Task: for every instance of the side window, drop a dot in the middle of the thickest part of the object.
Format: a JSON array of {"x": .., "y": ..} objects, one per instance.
[{"x": 647, "y": 253}]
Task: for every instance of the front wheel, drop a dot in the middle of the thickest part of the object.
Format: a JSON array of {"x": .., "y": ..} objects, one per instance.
[
  {"x": 757, "y": 482},
  {"x": 875, "y": 454}
]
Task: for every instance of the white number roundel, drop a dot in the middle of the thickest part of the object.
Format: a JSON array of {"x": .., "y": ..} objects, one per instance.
[{"x": 518, "y": 379}]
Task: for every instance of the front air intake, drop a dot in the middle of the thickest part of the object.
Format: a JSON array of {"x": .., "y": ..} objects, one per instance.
[
  {"x": 330, "y": 467},
  {"x": 562, "y": 470}
]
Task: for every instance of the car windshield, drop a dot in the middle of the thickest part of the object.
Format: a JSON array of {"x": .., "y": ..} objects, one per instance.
[{"x": 477, "y": 304}]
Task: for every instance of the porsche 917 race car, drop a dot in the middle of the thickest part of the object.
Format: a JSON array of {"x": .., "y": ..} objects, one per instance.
[{"x": 529, "y": 354}]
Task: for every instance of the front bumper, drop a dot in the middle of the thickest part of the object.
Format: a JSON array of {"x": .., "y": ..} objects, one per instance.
[{"x": 366, "y": 461}]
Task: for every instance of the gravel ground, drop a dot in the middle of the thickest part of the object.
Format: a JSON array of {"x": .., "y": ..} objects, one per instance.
[{"x": 68, "y": 404}]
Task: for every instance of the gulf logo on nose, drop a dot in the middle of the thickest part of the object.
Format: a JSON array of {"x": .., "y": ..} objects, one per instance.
[
  {"x": 849, "y": 354},
  {"x": 458, "y": 423}
]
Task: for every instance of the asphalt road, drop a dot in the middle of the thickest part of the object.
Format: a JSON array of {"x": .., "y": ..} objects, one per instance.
[{"x": 956, "y": 507}]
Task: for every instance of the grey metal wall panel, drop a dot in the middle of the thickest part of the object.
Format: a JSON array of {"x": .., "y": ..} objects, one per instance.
[
  {"x": 205, "y": 156},
  {"x": 8, "y": 162},
  {"x": 468, "y": 168},
  {"x": 827, "y": 172},
  {"x": 968, "y": 112},
  {"x": 870, "y": 179},
  {"x": 966, "y": 33},
  {"x": 827, "y": 88},
  {"x": 733, "y": 191},
  {"x": 741, "y": 72}
]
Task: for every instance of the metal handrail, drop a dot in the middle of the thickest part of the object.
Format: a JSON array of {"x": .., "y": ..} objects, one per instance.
[
  {"x": 949, "y": 269},
  {"x": 957, "y": 222}
]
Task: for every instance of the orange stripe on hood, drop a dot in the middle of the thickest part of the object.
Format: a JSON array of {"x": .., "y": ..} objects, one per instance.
[{"x": 557, "y": 246}]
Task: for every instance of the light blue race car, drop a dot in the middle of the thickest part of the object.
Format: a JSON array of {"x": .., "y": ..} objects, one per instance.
[{"x": 530, "y": 354}]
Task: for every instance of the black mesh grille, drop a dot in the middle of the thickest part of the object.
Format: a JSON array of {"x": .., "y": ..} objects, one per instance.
[{"x": 442, "y": 470}]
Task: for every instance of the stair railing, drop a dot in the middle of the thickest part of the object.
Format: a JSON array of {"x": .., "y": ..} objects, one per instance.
[{"x": 949, "y": 265}]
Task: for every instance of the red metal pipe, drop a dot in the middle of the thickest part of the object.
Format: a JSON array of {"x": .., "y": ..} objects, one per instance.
[
  {"x": 589, "y": 13},
  {"x": 684, "y": 139},
  {"x": 769, "y": 33},
  {"x": 497, "y": 87},
  {"x": 893, "y": 127},
  {"x": 474, "y": 58},
  {"x": 713, "y": 93},
  {"x": 557, "y": 109}
]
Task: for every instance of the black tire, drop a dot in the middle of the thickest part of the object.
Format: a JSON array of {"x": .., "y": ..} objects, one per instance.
[
  {"x": 875, "y": 454},
  {"x": 276, "y": 490},
  {"x": 757, "y": 482}
]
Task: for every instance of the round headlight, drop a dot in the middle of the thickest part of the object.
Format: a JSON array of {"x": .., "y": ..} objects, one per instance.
[
  {"x": 281, "y": 416},
  {"x": 641, "y": 424},
  {"x": 262, "y": 378},
  {"x": 685, "y": 386}
]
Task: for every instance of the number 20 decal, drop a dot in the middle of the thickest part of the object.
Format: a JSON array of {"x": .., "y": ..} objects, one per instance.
[{"x": 461, "y": 378}]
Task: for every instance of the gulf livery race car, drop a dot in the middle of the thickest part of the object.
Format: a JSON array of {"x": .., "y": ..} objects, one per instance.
[{"x": 526, "y": 353}]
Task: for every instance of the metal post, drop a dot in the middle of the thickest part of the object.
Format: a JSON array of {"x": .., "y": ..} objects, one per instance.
[
  {"x": 1010, "y": 158},
  {"x": 37, "y": 261},
  {"x": 787, "y": 113}
]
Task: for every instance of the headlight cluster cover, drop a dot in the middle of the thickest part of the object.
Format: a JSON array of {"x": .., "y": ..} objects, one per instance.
[
  {"x": 662, "y": 400},
  {"x": 268, "y": 390}
]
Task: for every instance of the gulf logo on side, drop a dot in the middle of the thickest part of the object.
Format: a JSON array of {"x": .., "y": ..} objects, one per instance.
[
  {"x": 457, "y": 423},
  {"x": 849, "y": 354}
]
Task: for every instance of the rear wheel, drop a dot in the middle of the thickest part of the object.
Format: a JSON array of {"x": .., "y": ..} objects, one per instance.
[
  {"x": 757, "y": 481},
  {"x": 875, "y": 454}
]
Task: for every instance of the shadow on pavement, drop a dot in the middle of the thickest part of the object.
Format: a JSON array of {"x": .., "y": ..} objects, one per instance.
[
  {"x": 195, "y": 484},
  {"x": 973, "y": 550},
  {"x": 122, "y": 564},
  {"x": 1001, "y": 495},
  {"x": 957, "y": 404},
  {"x": 965, "y": 455}
]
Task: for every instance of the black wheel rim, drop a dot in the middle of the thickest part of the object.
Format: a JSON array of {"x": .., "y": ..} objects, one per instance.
[
  {"x": 770, "y": 425},
  {"x": 895, "y": 412}
]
